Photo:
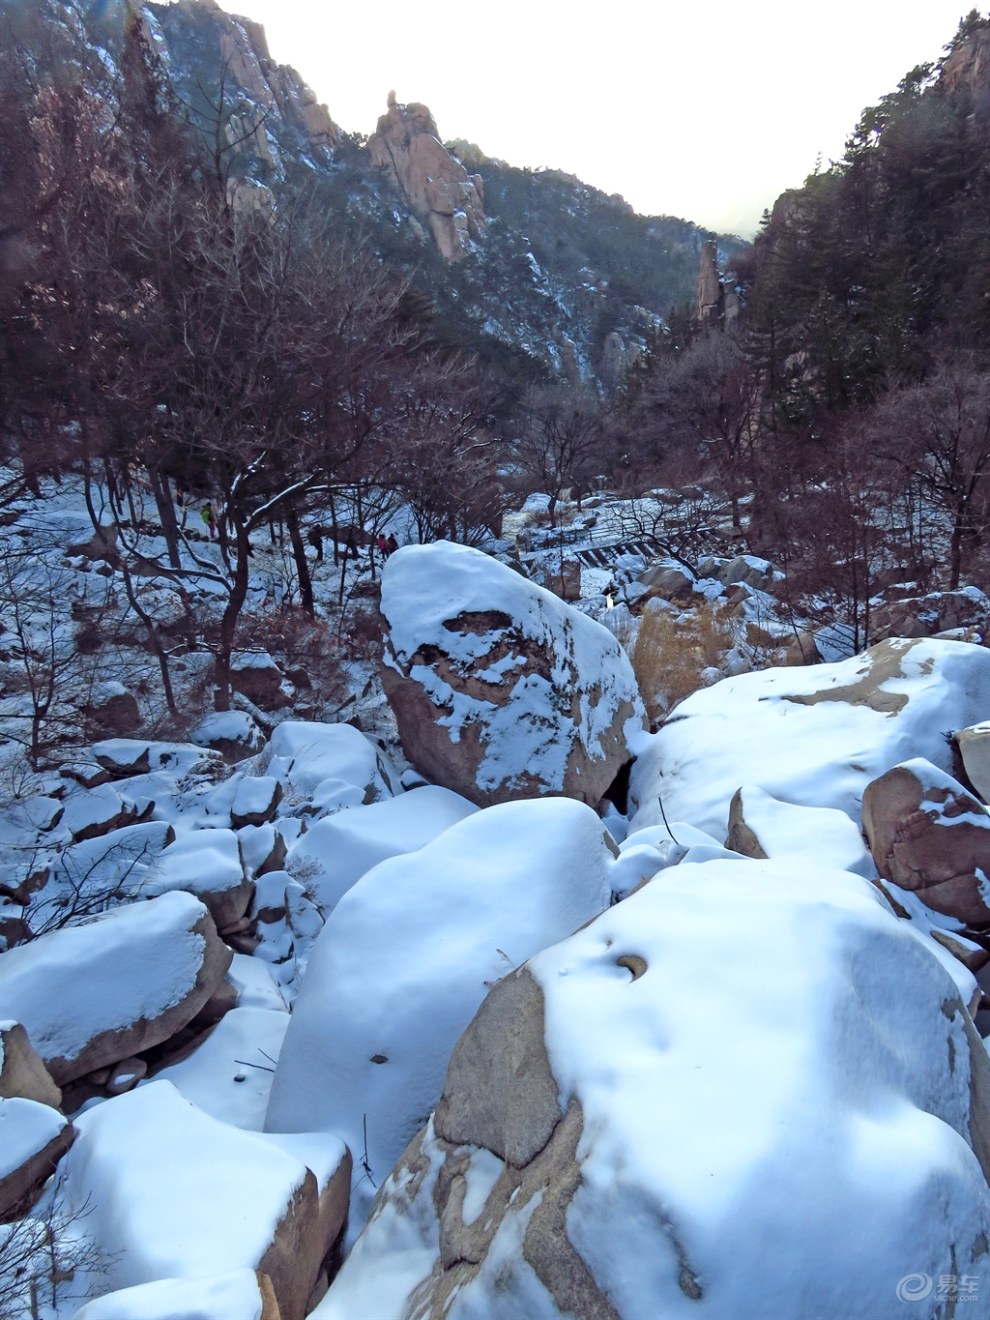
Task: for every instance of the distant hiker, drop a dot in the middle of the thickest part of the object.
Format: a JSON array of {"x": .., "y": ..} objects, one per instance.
[
  {"x": 315, "y": 538},
  {"x": 210, "y": 520},
  {"x": 391, "y": 545},
  {"x": 350, "y": 549},
  {"x": 382, "y": 545}
]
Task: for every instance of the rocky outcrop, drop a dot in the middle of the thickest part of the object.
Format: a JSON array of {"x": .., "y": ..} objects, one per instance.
[
  {"x": 717, "y": 301},
  {"x": 274, "y": 101},
  {"x": 437, "y": 189},
  {"x": 500, "y": 690},
  {"x": 94, "y": 994},
  {"x": 929, "y": 835},
  {"x": 967, "y": 609}
]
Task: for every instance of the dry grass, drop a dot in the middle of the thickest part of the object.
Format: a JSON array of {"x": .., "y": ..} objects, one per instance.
[{"x": 673, "y": 651}]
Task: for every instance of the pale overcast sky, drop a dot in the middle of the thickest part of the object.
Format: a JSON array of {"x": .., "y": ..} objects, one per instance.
[{"x": 705, "y": 111}]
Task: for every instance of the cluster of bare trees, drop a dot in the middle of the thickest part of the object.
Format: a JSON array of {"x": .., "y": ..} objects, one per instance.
[{"x": 170, "y": 326}]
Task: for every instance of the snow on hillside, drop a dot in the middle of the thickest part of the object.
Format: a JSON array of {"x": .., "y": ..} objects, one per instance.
[{"x": 750, "y": 1082}]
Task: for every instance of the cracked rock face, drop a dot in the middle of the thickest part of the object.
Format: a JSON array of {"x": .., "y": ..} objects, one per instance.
[
  {"x": 436, "y": 188},
  {"x": 929, "y": 835},
  {"x": 500, "y": 690}
]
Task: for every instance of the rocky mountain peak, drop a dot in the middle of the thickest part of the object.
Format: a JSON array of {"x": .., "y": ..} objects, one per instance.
[
  {"x": 968, "y": 64},
  {"x": 436, "y": 188}
]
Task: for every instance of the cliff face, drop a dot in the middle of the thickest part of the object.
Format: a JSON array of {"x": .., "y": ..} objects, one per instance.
[
  {"x": 270, "y": 112},
  {"x": 436, "y": 188}
]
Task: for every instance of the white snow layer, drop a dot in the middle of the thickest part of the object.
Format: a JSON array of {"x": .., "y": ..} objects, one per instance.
[
  {"x": 232, "y": 1296},
  {"x": 337, "y": 851},
  {"x": 327, "y": 766},
  {"x": 757, "y": 729},
  {"x": 173, "y": 1192},
  {"x": 26, "y": 1127},
  {"x": 408, "y": 955}
]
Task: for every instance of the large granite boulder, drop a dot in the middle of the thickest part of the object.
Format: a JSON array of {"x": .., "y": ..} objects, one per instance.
[
  {"x": 619, "y": 1137},
  {"x": 940, "y": 611},
  {"x": 206, "y": 863},
  {"x": 371, "y": 1032},
  {"x": 500, "y": 690},
  {"x": 93, "y": 994},
  {"x": 810, "y": 735},
  {"x": 929, "y": 835},
  {"x": 432, "y": 184}
]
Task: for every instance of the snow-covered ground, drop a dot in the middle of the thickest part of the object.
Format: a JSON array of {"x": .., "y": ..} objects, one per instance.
[{"x": 759, "y": 1082}]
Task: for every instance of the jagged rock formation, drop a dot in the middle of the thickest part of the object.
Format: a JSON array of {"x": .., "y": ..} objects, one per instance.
[
  {"x": 718, "y": 302},
  {"x": 275, "y": 97},
  {"x": 437, "y": 189}
]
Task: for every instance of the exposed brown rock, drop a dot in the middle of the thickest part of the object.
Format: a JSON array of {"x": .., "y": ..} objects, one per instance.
[
  {"x": 928, "y": 835},
  {"x": 436, "y": 188},
  {"x": 974, "y": 748},
  {"x": 500, "y": 1092},
  {"x": 22, "y": 1073}
]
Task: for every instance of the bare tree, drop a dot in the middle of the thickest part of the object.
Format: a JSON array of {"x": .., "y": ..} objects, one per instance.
[{"x": 938, "y": 434}]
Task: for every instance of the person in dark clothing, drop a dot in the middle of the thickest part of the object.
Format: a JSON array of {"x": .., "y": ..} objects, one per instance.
[
  {"x": 315, "y": 537},
  {"x": 391, "y": 545}
]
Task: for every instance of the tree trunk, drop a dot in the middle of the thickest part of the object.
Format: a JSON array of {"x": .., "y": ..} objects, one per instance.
[
  {"x": 302, "y": 567},
  {"x": 228, "y": 623},
  {"x": 166, "y": 515}
]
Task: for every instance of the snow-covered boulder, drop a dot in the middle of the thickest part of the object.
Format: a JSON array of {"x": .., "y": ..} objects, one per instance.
[
  {"x": 974, "y": 748},
  {"x": 124, "y": 757},
  {"x": 206, "y": 863},
  {"x": 940, "y": 611},
  {"x": 232, "y": 733},
  {"x": 813, "y": 735},
  {"x": 90, "y": 813},
  {"x": 763, "y": 826},
  {"x": 92, "y": 994},
  {"x": 337, "y": 851},
  {"x": 327, "y": 766},
  {"x": 929, "y": 835},
  {"x": 668, "y": 579},
  {"x": 408, "y": 955},
  {"x": 22, "y": 1072},
  {"x": 256, "y": 799},
  {"x": 229, "y": 1075},
  {"x": 619, "y": 1137},
  {"x": 500, "y": 690},
  {"x": 257, "y": 676},
  {"x": 173, "y": 1193},
  {"x": 237, "y": 1295},
  {"x": 34, "y": 1139}
]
